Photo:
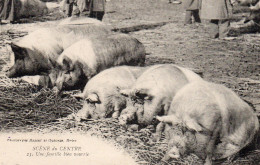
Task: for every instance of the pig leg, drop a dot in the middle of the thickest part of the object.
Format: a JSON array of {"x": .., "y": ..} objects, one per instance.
[
  {"x": 158, "y": 134},
  {"x": 160, "y": 127},
  {"x": 44, "y": 81},
  {"x": 211, "y": 144},
  {"x": 226, "y": 149},
  {"x": 47, "y": 81},
  {"x": 81, "y": 114}
]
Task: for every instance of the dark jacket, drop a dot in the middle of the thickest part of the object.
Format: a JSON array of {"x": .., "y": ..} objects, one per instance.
[
  {"x": 191, "y": 4},
  {"x": 98, "y": 5},
  {"x": 91, "y": 5}
]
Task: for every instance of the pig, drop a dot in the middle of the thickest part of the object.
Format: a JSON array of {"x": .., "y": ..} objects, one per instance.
[
  {"x": 86, "y": 58},
  {"x": 247, "y": 2},
  {"x": 210, "y": 121},
  {"x": 254, "y": 10},
  {"x": 28, "y": 8},
  {"x": 254, "y": 16},
  {"x": 152, "y": 94},
  {"x": 101, "y": 96},
  {"x": 36, "y": 53},
  {"x": 256, "y": 7}
]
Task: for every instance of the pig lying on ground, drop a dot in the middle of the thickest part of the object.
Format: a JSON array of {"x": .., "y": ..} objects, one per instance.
[
  {"x": 254, "y": 7},
  {"x": 101, "y": 96},
  {"x": 28, "y": 8},
  {"x": 247, "y": 2},
  {"x": 88, "y": 57},
  {"x": 36, "y": 53},
  {"x": 209, "y": 120},
  {"x": 153, "y": 92}
]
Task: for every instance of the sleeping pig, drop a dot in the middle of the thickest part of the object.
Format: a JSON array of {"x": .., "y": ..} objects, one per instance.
[
  {"x": 88, "y": 57},
  {"x": 101, "y": 96},
  {"x": 210, "y": 121},
  {"x": 153, "y": 92},
  {"x": 36, "y": 53},
  {"x": 254, "y": 10},
  {"x": 30, "y": 8}
]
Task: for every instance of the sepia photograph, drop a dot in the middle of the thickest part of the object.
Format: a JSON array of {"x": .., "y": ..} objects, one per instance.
[{"x": 129, "y": 82}]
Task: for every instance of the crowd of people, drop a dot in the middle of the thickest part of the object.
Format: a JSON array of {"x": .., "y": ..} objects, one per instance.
[
  {"x": 91, "y": 8},
  {"x": 218, "y": 13}
]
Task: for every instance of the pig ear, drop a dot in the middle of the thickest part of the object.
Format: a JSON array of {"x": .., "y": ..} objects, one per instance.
[
  {"x": 18, "y": 51},
  {"x": 170, "y": 119},
  {"x": 148, "y": 97},
  {"x": 194, "y": 125},
  {"x": 143, "y": 93},
  {"x": 67, "y": 63},
  {"x": 93, "y": 98},
  {"x": 125, "y": 92}
]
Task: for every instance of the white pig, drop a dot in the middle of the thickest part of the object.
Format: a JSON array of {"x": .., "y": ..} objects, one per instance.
[
  {"x": 88, "y": 57},
  {"x": 36, "y": 53},
  {"x": 153, "y": 92},
  {"x": 101, "y": 96},
  {"x": 210, "y": 121}
]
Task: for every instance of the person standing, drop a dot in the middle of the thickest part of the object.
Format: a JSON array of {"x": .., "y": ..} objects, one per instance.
[
  {"x": 69, "y": 7},
  {"x": 7, "y": 11},
  {"x": 218, "y": 12},
  {"x": 192, "y": 9},
  {"x": 92, "y": 8},
  {"x": 97, "y": 9}
]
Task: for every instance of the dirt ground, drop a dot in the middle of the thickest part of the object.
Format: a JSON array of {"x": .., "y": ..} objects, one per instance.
[{"x": 159, "y": 26}]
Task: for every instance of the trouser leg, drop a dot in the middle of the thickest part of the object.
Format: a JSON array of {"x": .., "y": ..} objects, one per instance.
[
  {"x": 213, "y": 28},
  {"x": 8, "y": 10},
  {"x": 97, "y": 14},
  {"x": 188, "y": 17},
  {"x": 196, "y": 16},
  {"x": 224, "y": 26},
  {"x": 100, "y": 15},
  {"x": 69, "y": 9}
]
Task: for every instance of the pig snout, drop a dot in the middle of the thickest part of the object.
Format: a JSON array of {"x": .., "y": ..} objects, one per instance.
[
  {"x": 123, "y": 119},
  {"x": 82, "y": 114},
  {"x": 59, "y": 83},
  {"x": 174, "y": 153},
  {"x": 11, "y": 73},
  {"x": 59, "y": 86},
  {"x": 56, "y": 90}
]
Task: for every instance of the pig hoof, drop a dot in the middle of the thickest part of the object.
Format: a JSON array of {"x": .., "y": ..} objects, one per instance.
[
  {"x": 151, "y": 128},
  {"x": 56, "y": 90},
  {"x": 70, "y": 117},
  {"x": 156, "y": 138},
  {"x": 115, "y": 115},
  {"x": 166, "y": 158},
  {"x": 69, "y": 125},
  {"x": 73, "y": 117},
  {"x": 133, "y": 127},
  {"x": 123, "y": 120}
]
